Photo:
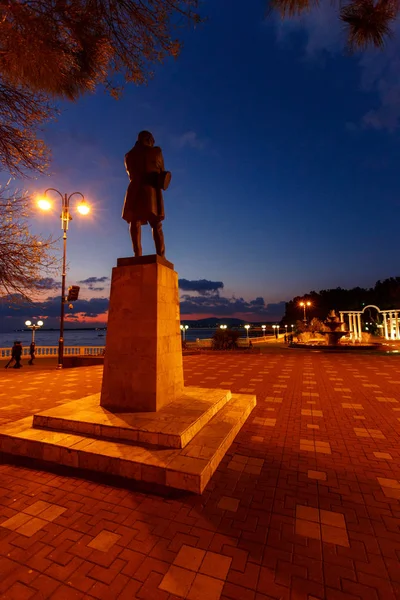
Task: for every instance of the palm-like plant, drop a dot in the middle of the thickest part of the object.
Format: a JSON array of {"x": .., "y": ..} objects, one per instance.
[{"x": 367, "y": 23}]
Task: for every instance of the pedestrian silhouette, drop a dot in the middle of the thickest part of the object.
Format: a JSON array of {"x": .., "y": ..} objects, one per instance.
[
  {"x": 12, "y": 359},
  {"x": 17, "y": 348},
  {"x": 32, "y": 348}
]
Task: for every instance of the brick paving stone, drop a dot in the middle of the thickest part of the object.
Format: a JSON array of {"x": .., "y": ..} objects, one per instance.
[
  {"x": 248, "y": 538},
  {"x": 215, "y": 565},
  {"x": 104, "y": 541},
  {"x": 205, "y": 587},
  {"x": 178, "y": 581}
]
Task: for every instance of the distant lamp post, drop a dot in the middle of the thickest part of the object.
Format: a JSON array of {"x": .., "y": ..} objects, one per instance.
[
  {"x": 184, "y": 328},
  {"x": 275, "y": 328},
  {"x": 247, "y": 327},
  {"x": 304, "y": 306},
  {"x": 286, "y": 329},
  {"x": 34, "y": 327},
  {"x": 292, "y": 326},
  {"x": 83, "y": 208},
  {"x": 263, "y": 327},
  {"x": 223, "y": 326}
]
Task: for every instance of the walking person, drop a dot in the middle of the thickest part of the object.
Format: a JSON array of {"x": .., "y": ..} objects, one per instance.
[
  {"x": 12, "y": 359},
  {"x": 32, "y": 348},
  {"x": 17, "y": 355}
]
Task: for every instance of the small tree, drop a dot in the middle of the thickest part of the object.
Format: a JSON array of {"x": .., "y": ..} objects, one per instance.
[
  {"x": 25, "y": 258},
  {"x": 225, "y": 339},
  {"x": 316, "y": 326},
  {"x": 300, "y": 327}
]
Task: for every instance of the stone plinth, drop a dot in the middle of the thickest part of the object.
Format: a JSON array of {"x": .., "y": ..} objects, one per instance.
[
  {"x": 143, "y": 362},
  {"x": 144, "y": 425},
  {"x": 173, "y": 426},
  {"x": 98, "y": 440}
]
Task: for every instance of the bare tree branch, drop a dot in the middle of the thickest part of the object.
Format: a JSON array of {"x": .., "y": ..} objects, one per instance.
[
  {"x": 53, "y": 49},
  {"x": 25, "y": 258}
]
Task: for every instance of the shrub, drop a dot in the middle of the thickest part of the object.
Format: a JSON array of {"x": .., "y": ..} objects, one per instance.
[{"x": 225, "y": 339}]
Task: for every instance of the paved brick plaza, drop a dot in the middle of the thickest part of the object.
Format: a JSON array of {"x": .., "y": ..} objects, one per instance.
[{"x": 305, "y": 505}]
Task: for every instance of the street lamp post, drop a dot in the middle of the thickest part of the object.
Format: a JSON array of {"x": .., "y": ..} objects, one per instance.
[
  {"x": 263, "y": 327},
  {"x": 304, "y": 306},
  {"x": 247, "y": 327},
  {"x": 34, "y": 327},
  {"x": 83, "y": 209},
  {"x": 184, "y": 328}
]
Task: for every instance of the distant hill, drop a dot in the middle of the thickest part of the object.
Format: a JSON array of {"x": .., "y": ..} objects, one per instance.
[{"x": 214, "y": 322}]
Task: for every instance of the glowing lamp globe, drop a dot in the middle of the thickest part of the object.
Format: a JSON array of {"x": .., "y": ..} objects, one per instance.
[
  {"x": 28, "y": 323},
  {"x": 83, "y": 208},
  {"x": 44, "y": 204},
  {"x": 40, "y": 323}
]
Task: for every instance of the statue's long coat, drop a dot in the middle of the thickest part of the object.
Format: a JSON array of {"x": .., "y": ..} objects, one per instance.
[{"x": 143, "y": 199}]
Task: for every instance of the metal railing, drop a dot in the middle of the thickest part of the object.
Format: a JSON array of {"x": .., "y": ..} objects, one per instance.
[{"x": 49, "y": 351}]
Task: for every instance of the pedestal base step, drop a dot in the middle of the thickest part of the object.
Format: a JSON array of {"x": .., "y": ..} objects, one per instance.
[
  {"x": 172, "y": 426},
  {"x": 189, "y": 468}
]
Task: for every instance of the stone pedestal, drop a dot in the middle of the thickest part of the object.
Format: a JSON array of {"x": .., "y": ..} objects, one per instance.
[
  {"x": 163, "y": 434},
  {"x": 143, "y": 361}
]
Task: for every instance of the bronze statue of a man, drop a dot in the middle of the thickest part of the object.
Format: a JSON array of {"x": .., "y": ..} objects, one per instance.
[{"x": 144, "y": 200}]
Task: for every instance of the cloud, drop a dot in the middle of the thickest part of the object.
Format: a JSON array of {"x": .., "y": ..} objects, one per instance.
[
  {"x": 203, "y": 298},
  {"x": 381, "y": 74},
  {"x": 379, "y": 69},
  {"x": 323, "y": 29},
  {"x": 48, "y": 283},
  {"x": 91, "y": 280},
  {"x": 49, "y": 310},
  {"x": 223, "y": 307},
  {"x": 202, "y": 286},
  {"x": 189, "y": 139}
]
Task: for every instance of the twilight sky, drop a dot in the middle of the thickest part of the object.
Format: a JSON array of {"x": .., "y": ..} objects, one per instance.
[{"x": 284, "y": 152}]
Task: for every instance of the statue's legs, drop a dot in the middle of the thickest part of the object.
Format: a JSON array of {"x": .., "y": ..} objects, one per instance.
[
  {"x": 136, "y": 237},
  {"x": 158, "y": 236}
]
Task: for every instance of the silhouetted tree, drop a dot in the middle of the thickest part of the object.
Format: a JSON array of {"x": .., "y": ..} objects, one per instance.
[
  {"x": 385, "y": 295},
  {"x": 367, "y": 22},
  {"x": 65, "y": 48}
]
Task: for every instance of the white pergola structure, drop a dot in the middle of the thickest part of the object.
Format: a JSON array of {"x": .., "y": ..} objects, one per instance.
[{"x": 391, "y": 322}]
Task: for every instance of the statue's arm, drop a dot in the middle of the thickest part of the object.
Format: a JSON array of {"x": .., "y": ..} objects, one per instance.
[{"x": 128, "y": 166}]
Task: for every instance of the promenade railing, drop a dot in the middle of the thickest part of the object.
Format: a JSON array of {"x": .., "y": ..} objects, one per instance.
[{"x": 49, "y": 351}]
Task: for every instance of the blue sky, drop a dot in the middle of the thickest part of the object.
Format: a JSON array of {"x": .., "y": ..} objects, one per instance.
[{"x": 284, "y": 152}]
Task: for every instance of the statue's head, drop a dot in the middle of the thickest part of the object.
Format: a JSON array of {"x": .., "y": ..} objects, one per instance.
[{"x": 146, "y": 138}]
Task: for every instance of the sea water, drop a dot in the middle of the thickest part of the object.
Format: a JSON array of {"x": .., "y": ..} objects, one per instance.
[{"x": 79, "y": 337}]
